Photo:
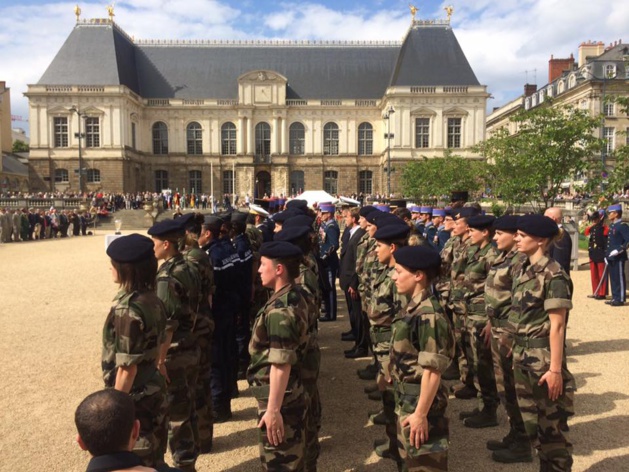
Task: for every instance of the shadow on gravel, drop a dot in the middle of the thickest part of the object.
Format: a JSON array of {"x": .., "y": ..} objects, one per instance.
[
  {"x": 581, "y": 378},
  {"x": 597, "y": 347},
  {"x": 253, "y": 464},
  {"x": 604, "y": 434},
  {"x": 611, "y": 463},
  {"x": 598, "y": 403}
]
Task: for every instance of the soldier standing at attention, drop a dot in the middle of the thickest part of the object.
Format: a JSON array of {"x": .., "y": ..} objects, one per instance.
[
  {"x": 177, "y": 287},
  {"x": 430, "y": 229},
  {"x": 278, "y": 344},
  {"x": 542, "y": 294},
  {"x": 616, "y": 254},
  {"x": 329, "y": 235},
  {"x": 133, "y": 335},
  {"x": 598, "y": 234},
  {"x": 422, "y": 347},
  {"x": 515, "y": 446}
]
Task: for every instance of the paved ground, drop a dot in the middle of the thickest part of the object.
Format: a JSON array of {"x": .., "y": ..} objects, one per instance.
[{"x": 54, "y": 296}]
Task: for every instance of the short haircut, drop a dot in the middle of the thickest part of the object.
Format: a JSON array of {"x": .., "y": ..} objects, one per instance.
[
  {"x": 403, "y": 213},
  {"x": 355, "y": 212},
  {"x": 137, "y": 276},
  {"x": 104, "y": 421},
  {"x": 291, "y": 264}
]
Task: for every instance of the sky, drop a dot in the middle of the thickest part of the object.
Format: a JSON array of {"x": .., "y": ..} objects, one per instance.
[{"x": 508, "y": 42}]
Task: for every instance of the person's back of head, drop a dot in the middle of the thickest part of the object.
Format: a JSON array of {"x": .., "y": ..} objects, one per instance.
[{"x": 105, "y": 422}]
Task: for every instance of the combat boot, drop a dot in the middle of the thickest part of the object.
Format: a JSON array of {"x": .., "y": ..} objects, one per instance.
[
  {"x": 375, "y": 396},
  {"x": 465, "y": 393},
  {"x": 368, "y": 373},
  {"x": 518, "y": 451},
  {"x": 379, "y": 418},
  {"x": 370, "y": 388},
  {"x": 504, "y": 443},
  {"x": 486, "y": 418},
  {"x": 452, "y": 372},
  {"x": 384, "y": 451},
  {"x": 468, "y": 414}
]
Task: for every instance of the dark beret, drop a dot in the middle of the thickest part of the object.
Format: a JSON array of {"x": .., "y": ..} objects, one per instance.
[
  {"x": 299, "y": 220},
  {"x": 282, "y": 216},
  {"x": 418, "y": 257},
  {"x": 481, "y": 221},
  {"x": 132, "y": 248},
  {"x": 166, "y": 228},
  {"x": 239, "y": 216},
  {"x": 185, "y": 220},
  {"x": 297, "y": 204},
  {"x": 467, "y": 212},
  {"x": 292, "y": 234},
  {"x": 371, "y": 216},
  {"x": 226, "y": 216},
  {"x": 507, "y": 223},
  {"x": 392, "y": 231},
  {"x": 212, "y": 220},
  {"x": 387, "y": 218},
  {"x": 364, "y": 211},
  {"x": 279, "y": 250},
  {"x": 538, "y": 225}
]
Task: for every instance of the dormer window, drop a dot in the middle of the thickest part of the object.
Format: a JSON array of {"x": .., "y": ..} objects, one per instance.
[
  {"x": 610, "y": 71},
  {"x": 572, "y": 81}
]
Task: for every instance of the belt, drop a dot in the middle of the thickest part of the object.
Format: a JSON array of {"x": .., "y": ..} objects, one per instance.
[
  {"x": 260, "y": 392},
  {"x": 407, "y": 388},
  {"x": 380, "y": 335},
  {"x": 526, "y": 342},
  {"x": 476, "y": 308},
  {"x": 498, "y": 323}
]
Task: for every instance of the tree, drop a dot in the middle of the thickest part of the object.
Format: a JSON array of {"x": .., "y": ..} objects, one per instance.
[
  {"x": 553, "y": 143},
  {"x": 19, "y": 146},
  {"x": 427, "y": 179}
]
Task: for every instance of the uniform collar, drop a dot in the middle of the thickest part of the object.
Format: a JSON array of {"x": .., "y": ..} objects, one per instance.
[
  {"x": 116, "y": 461},
  {"x": 417, "y": 300}
]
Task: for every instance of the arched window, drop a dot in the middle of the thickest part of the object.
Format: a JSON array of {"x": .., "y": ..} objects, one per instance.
[
  {"x": 365, "y": 139},
  {"x": 160, "y": 138},
  {"x": 194, "y": 138},
  {"x": 297, "y": 184},
  {"x": 330, "y": 181},
  {"x": 61, "y": 176},
  {"x": 297, "y": 139},
  {"x": 93, "y": 176},
  {"x": 195, "y": 181},
  {"x": 161, "y": 180},
  {"x": 331, "y": 139},
  {"x": 228, "y": 139},
  {"x": 365, "y": 182},
  {"x": 263, "y": 142}
]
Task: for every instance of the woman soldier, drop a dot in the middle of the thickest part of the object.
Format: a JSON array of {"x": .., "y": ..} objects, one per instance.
[
  {"x": 422, "y": 347},
  {"x": 133, "y": 334},
  {"x": 542, "y": 295}
]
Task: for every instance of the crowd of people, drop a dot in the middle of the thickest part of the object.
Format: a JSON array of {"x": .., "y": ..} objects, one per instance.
[
  {"x": 24, "y": 224},
  {"x": 433, "y": 294}
]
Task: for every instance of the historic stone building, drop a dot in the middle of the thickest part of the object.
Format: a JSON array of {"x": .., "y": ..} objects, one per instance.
[
  {"x": 250, "y": 117},
  {"x": 13, "y": 173}
]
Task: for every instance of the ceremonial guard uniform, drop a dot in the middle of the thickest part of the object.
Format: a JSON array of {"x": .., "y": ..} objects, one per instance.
[
  {"x": 329, "y": 234},
  {"x": 616, "y": 254},
  {"x": 597, "y": 244}
]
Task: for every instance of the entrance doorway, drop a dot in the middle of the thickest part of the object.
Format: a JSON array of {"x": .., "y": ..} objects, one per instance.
[{"x": 263, "y": 184}]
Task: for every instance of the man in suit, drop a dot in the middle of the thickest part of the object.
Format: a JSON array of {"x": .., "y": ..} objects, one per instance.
[
  {"x": 561, "y": 251},
  {"x": 329, "y": 233},
  {"x": 348, "y": 280}
]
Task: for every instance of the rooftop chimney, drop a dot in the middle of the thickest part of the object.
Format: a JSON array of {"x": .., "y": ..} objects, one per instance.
[
  {"x": 556, "y": 67},
  {"x": 529, "y": 89},
  {"x": 590, "y": 49}
]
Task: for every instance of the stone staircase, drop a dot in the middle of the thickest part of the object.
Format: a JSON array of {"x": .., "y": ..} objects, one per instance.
[{"x": 131, "y": 219}]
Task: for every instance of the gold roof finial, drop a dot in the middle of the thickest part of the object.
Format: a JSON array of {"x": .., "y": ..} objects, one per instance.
[
  {"x": 413, "y": 10},
  {"x": 110, "y": 11},
  {"x": 77, "y": 12},
  {"x": 449, "y": 10}
]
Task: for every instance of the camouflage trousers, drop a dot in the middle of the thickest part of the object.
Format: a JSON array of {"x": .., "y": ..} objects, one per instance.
[
  {"x": 289, "y": 456},
  {"x": 203, "y": 394},
  {"x": 464, "y": 354},
  {"x": 310, "y": 376},
  {"x": 183, "y": 369},
  {"x": 432, "y": 456},
  {"x": 483, "y": 364},
  {"x": 151, "y": 410},
  {"x": 546, "y": 421},
  {"x": 501, "y": 343}
]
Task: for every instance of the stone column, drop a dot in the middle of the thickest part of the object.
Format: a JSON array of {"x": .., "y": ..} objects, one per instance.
[
  {"x": 240, "y": 145},
  {"x": 275, "y": 135}
]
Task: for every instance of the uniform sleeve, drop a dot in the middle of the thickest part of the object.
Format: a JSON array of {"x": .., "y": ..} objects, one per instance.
[
  {"x": 435, "y": 342},
  {"x": 129, "y": 329},
  {"x": 624, "y": 231},
  {"x": 558, "y": 293},
  {"x": 283, "y": 336},
  {"x": 167, "y": 294}
]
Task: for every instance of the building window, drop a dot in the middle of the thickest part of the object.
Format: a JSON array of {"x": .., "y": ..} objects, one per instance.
[
  {"x": 263, "y": 142},
  {"x": 195, "y": 138},
  {"x": 195, "y": 181},
  {"x": 160, "y": 138},
  {"x": 297, "y": 138},
  {"x": 297, "y": 184},
  {"x": 572, "y": 81},
  {"x": 92, "y": 132},
  {"x": 608, "y": 109},
  {"x": 228, "y": 182},
  {"x": 61, "y": 176},
  {"x": 331, "y": 139},
  {"x": 228, "y": 139},
  {"x": 454, "y": 132},
  {"x": 161, "y": 180},
  {"x": 610, "y": 71},
  {"x": 365, "y": 139},
  {"x": 609, "y": 135},
  {"x": 330, "y": 181},
  {"x": 93, "y": 176},
  {"x": 422, "y": 132},
  {"x": 61, "y": 131},
  {"x": 133, "y": 142},
  {"x": 365, "y": 182}
]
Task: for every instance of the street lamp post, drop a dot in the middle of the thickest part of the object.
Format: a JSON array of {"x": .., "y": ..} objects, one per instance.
[
  {"x": 388, "y": 135},
  {"x": 79, "y": 135}
]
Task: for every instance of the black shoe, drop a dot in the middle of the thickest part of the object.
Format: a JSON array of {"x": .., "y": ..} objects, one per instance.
[
  {"x": 367, "y": 374},
  {"x": 370, "y": 388},
  {"x": 324, "y": 319},
  {"x": 599, "y": 297},
  {"x": 609, "y": 302},
  {"x": 485, "y": 419},
  {"x": 348, "y": 337},
  {"x": 206, "y": 447},
  {"x": 356, "y": 353},
  {"x": 617, "y": 303},
  {"x": 452, "y": 372},
  {"x": 375, "y": 396},
  {"x": 468, "y": 414},
  {"x": 466, "y": 393},
  {"x": 379, "y": 419},
  {"x": 504, "y": 443},
  {"x": 519, "y": 451},
  {"x": 222, "y": 415}
]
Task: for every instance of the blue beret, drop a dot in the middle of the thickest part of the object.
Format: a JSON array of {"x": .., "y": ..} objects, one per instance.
[
  {"x": 383, "y": 208},
  {"x": 467, "y": 212},
  {"x": 282, "y": 216},
  {"x": 240, "y": 216},
  {"x": 415, "y": 209},
  {"x": 538, "y": 225},
  {"x": 391, "y": 231},
  {"x": 425, "y": 209},
  {"x": 166, "y": 228},
  {"x": 418, "y": 258},
  {"x": 371, "y": 216},
  {"x": 292, "y": 234},
  {"x": 299, "y": 220},
  {"x": 438, "y": 212},
  {"x": 507, "y": 223},
  {"x": 327, "y": 208},
  {"x": 212, "y": 220},
  {"x": 481, "y": 221},
  {"x": 279, "y": 250},
  {"x": 297, "y": 204},
  {"x": 364, "y": 211},
  {"x": 616, "y": 207},
  {"x": 132, "y": 248}
]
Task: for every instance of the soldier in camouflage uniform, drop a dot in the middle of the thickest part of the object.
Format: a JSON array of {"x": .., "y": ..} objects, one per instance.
[
  {"x": 278, "y": 345},
  {"x": 422, "y": 347},
  {"x": 134, "y": 332},
  {"x": 481, "y": 256},
  {"x": 542, "y": 294},
  {"x": 177, "y": 287},
  {"x": 514, "y": 447}
]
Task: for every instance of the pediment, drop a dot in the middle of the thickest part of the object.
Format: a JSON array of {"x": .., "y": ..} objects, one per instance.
[
  {"x": 59, "y": 110},
  {"x": 263, "y": 76},
  {"x": 456, "y": 111},
  {"x": 92, "y": 111},
  {"x": 423, "y": 111}
]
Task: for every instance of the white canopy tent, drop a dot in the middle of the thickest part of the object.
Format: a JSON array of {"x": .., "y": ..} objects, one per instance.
[{"x": 316, "y": 196}]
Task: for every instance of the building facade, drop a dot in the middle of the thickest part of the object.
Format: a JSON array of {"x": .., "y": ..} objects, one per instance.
[
  {"x": 13, "y": 173},
  {"x": 249, "y": 117}
]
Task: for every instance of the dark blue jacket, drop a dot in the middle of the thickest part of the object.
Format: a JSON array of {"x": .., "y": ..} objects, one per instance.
[{"x": 618, "y": 239}]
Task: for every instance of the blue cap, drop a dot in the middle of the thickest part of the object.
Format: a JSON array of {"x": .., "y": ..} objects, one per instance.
[
  {"x": 615, "y": 207},
  {"x": 166, "y": 228},
  {"x": 415, "y": 209},
  {"x": 425, "y": 209},
  {"x": 327, "y": 208},
  {"x": 383, "y": 208},
  {"x": 438, "y": 212}
]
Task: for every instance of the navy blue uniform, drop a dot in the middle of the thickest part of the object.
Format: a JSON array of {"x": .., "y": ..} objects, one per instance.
[
  {"x": 442, "y": 238},
  {"x": 243, "y": 327},
  {"x": 329, "y": 234},
  {"x": 430, "y": 232},
  {"x": 617, "y": 241}
]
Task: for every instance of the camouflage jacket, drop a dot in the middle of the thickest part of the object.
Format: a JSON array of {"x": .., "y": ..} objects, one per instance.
[
  {"x": 536, "y": 289},
  {"x": 499, "y": 283},
  {"x": 133, "y": 333},
  {"x": 308, "y": 280},
  {"x": 457, "y": 276},
  {"x": 447, "y": 256},
  {"x": 479, "y": 261},
  {"x": 365, "y": 247},
  {"x": 386, "y": 302},
  {"x": 178, "y": 288},
  {"x": 200, "y": 262},
  {"x": 279, "y": 336}
]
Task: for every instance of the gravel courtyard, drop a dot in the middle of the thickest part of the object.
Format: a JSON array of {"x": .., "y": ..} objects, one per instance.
[{"x": 54, "y": 296}]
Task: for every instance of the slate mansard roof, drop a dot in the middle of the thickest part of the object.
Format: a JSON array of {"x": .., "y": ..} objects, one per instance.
[{"x": 101, "y": 53}]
